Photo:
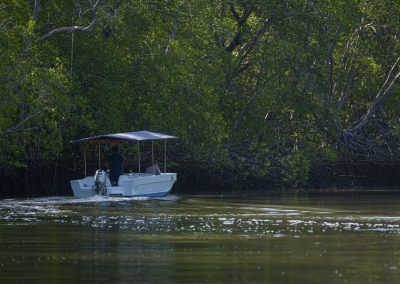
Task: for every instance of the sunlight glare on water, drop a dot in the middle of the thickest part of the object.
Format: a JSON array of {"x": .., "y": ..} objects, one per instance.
[{"x": 283, "y": 239}]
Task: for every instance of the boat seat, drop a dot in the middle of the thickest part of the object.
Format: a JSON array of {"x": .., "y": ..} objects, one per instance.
[
  {"x": 121, "y": 179},
  {"x": 108, "y": 182}
]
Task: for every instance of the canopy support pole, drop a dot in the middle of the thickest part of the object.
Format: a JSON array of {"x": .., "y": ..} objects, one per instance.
[
  {"x": 165, "y": 156},
  {"x": 138, "y": 147},
  {"x": 84, "y": 157},
  {"x": 99, "y": 158},
  {"x": 152, "y": 153}
]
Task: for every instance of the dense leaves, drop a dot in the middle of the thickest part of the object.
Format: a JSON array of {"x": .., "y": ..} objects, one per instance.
[{"x": 252, "y": 88}]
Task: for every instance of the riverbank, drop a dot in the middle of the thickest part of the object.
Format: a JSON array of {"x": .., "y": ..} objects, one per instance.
[{"x": 52, "y": 179}]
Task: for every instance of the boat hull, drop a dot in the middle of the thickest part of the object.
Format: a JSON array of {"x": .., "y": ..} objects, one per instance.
[{"x": 129, "y": 185}]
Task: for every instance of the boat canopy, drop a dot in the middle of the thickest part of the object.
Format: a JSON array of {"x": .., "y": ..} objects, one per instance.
[{"x": 125, "y": 137}]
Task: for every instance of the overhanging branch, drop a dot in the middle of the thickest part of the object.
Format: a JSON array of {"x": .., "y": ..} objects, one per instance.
[
  {"x": 88, "y": 28},
  {"x": 71, "y": 29}
]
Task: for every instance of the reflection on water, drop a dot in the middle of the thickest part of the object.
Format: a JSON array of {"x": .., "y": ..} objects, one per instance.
[{"x": 278, "y": 239}]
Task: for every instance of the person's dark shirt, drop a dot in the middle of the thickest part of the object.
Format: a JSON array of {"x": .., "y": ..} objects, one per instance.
[{"x": 115, "y": 161}]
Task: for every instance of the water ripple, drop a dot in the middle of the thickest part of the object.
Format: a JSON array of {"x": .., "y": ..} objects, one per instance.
[{"x": 155, "y": 216}]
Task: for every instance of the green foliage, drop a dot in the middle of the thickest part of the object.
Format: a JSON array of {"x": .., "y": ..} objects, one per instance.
[
  {"x": 259, "y": 90},
  {"x": 298, "y": 169},
  {"x": 34, "y": 98}
]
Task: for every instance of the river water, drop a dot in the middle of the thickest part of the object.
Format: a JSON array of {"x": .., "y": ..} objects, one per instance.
[{"x": 295, "y": 238}]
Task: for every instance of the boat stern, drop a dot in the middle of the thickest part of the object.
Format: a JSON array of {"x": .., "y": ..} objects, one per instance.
[{"x": 82, "y": 188}]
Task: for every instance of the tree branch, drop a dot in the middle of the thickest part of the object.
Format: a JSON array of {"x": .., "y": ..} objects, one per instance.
[
  {"x": 171, "y": 35},
  {"x": 233, "y": 10},
  {"x": 379, "y": 99},
  {"x": 257, "y": 92},
  {"x": 36, "y": 10},
  {"x": 240, "y": 21},
  {"x": 345, "y": 94},
  {"x": 71, "y": 29},
  {"x": 88, "y": 28},
  {"x": 388, "y": 77},
  {"x": 249, "y": 46},
  {"x": 20, "y": 124}
]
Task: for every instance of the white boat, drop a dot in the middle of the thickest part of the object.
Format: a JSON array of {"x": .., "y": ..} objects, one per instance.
[{"x": 129, "y": 184}]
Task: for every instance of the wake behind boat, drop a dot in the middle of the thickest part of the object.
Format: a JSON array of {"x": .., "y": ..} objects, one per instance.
[{"x": 129, "y": 184}]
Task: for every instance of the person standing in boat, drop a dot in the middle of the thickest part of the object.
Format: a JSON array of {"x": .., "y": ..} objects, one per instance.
[{"x": 116, "y": 165}]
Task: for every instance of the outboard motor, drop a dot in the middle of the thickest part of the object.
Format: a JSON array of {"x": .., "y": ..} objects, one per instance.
[{"x": 100, "y": 182}]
